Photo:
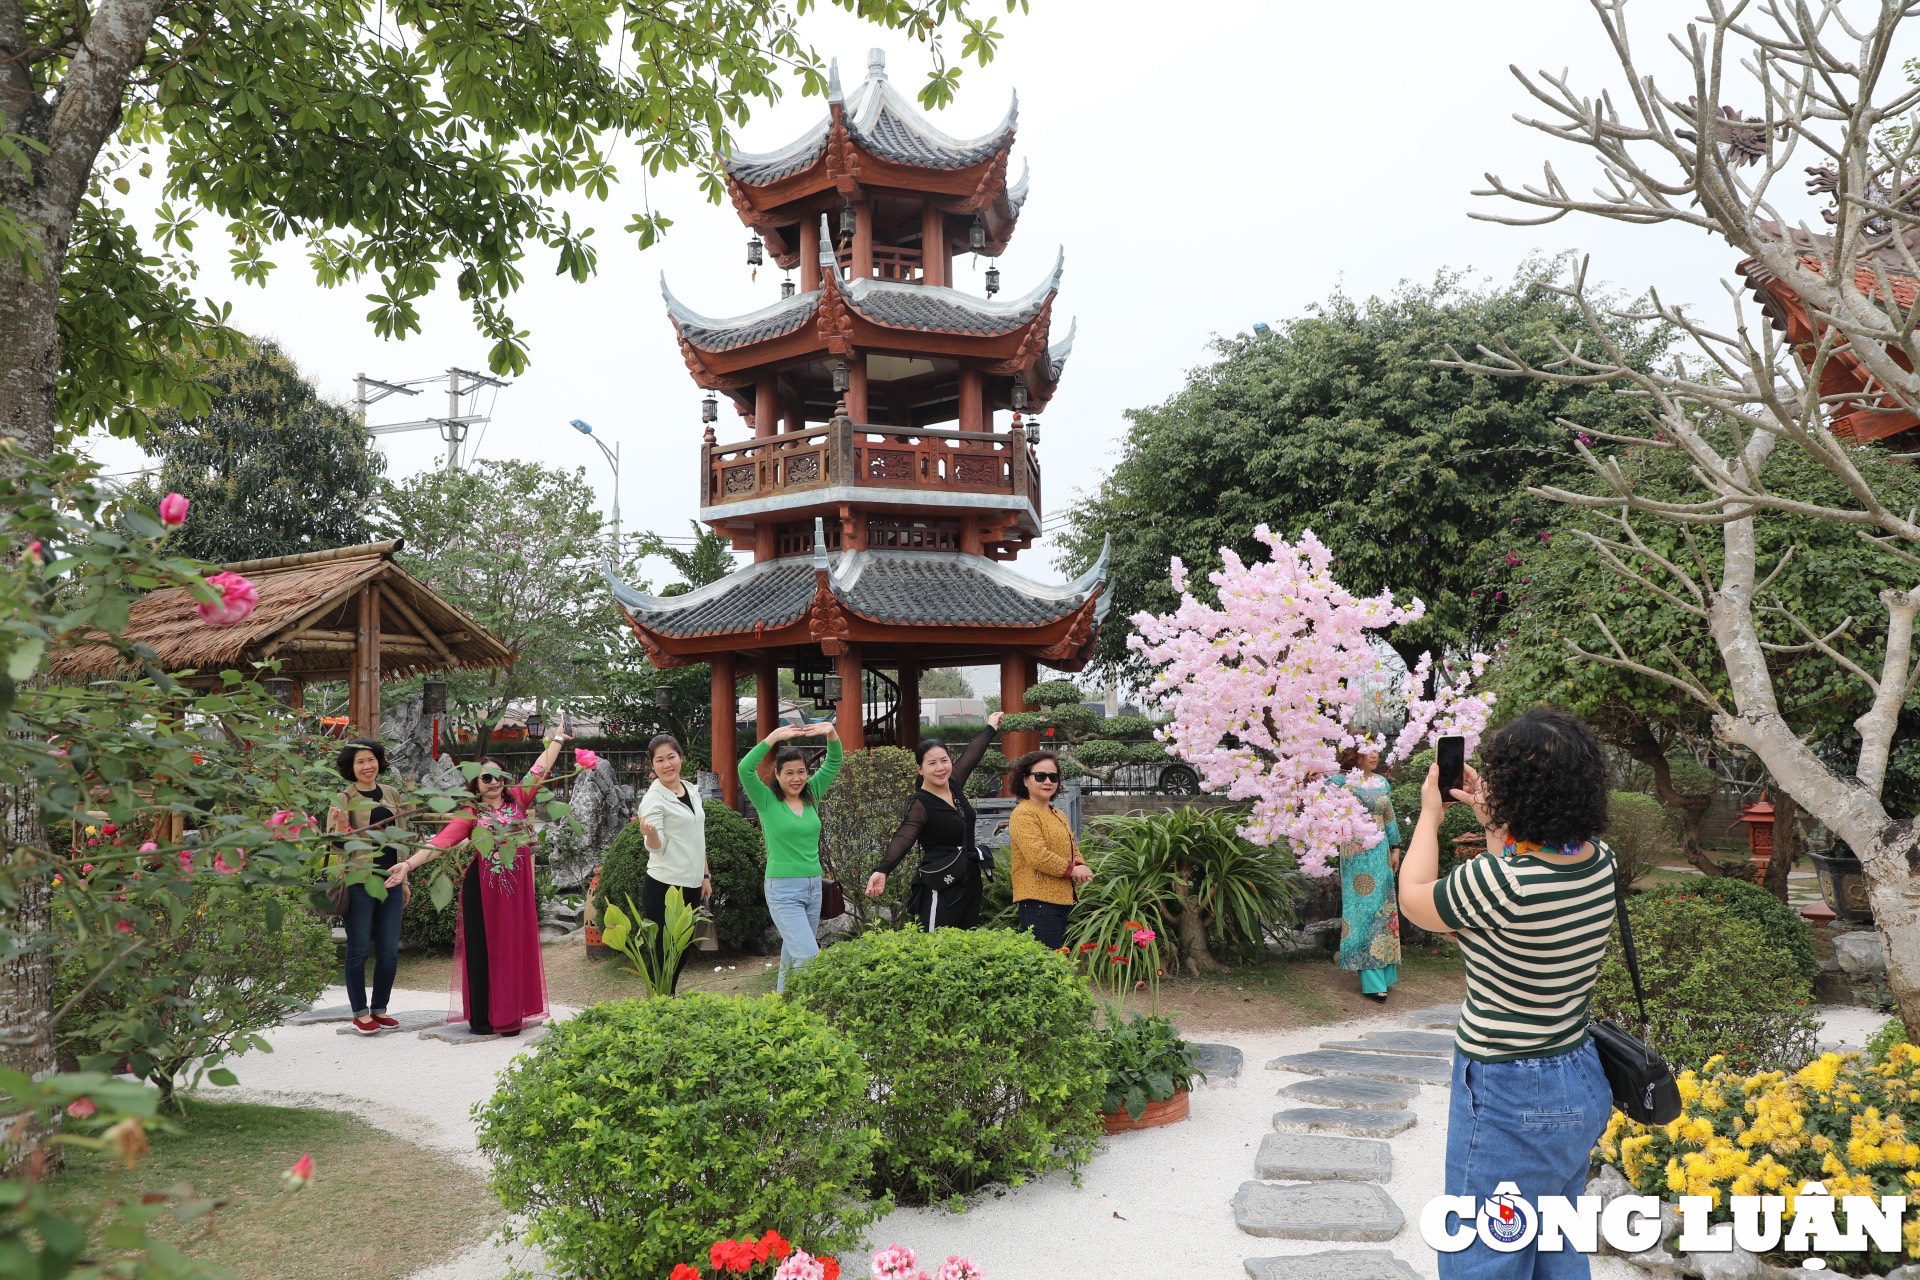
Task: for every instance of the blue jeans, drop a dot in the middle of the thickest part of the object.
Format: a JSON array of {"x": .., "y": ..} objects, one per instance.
[
  {"x": 372, "y": 926},
  {"x": 794, "y": 904},
  {"x": 1533, "y": 1123}
]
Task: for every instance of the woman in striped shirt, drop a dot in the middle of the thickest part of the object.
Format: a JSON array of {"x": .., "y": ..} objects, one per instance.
[{"x": 1532, "y": 918}]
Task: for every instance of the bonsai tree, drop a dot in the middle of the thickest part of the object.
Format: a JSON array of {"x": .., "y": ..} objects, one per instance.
[{"x": 1089, "y": 743}]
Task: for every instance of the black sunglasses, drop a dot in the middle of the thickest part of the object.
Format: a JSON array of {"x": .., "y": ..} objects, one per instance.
[
  {"x": 493, "y": 777},
  {"x": 1043, "y": 777}
]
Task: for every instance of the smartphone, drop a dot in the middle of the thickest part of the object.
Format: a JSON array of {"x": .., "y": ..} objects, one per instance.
[
  {"x": 566, "y": 723},
  {"x": 1451, "y": 755}
]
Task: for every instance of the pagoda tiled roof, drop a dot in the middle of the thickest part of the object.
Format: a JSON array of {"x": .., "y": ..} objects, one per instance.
[
  {"x": 709, "y": 334},
  {"x": 902, "y": 588},
  {"x": 1057, "y": 353},
  {"x": 883, "y": 122}
]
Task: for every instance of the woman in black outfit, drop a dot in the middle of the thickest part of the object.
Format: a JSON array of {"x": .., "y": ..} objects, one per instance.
[{"x": 946, "y": 884}]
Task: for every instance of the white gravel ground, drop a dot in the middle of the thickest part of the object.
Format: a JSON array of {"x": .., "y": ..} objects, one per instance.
[{"x": 1151, "y": 1204}]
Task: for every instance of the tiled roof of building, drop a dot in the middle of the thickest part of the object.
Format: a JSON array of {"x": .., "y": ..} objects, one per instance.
[
  {"x": 709, "y": 334},
  {"x": 773, "y": 593}
]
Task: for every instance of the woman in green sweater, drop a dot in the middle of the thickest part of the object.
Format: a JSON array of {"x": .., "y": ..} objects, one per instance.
[{"x": 790, "y": 823}]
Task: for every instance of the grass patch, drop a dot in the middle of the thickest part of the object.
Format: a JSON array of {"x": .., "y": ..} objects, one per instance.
[
  {"x": 1277, "y": 993},
  {"x": 378, "y": 1206}
]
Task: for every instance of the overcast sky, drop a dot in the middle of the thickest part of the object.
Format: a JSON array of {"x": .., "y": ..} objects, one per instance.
[{"x": 1205, "y": 165}]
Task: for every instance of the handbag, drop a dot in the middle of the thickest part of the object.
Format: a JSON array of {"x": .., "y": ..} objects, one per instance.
[
  {"x": 833, "y": 900},
  {"x": 1641, "y": 1081},
  {"x": 941, "y": 869}
]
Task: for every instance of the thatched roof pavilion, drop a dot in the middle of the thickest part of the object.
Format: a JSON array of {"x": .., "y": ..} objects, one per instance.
[{"x": 347, "y": 614}]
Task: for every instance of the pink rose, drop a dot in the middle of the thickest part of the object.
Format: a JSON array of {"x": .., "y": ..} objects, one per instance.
[
  {"x": 237, "y": 600},
  {"x": 86, "y": 869},
  {"x": 289, "y": 824},
  {"x": 583, "y": 758},
  {"x": 35, "y": 553},
  {"x": 81, "y": 1108},
  {"x": 149, "y": 847},
  {"x": 301, "y": 1173},
  {"x": 173, "y": 510},
  {"x": 124, "y": 926},
  {"x": 186, "y": 860},
  {"x": 220, "y": 865}
]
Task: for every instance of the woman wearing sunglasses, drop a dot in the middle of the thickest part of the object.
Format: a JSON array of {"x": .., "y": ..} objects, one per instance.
[
  {"x": 496, "y": 935},
  {"x": 1046, "y": 861}
]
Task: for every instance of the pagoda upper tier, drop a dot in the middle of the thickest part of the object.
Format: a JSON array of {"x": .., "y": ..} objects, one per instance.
[{"x": 919, "y": 194}]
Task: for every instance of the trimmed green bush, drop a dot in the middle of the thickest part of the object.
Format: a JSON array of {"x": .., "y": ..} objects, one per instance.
[
  {"x": 986, "y": 1063},
  {"x": 1458, "y": 820},
  {"x": 634, "y": 1135},
  {"x": 1780, "y": 926},
  {"x": 1714, "y": 985},
  {"x": 623, "y": 871},
  {"x": 1641, "y": 835},
  {"x": 857, "y": 821}
]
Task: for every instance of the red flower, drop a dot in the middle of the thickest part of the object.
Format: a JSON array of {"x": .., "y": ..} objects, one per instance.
[
  {"x": 684, "y": 1272},
  {"x": 830, "y": 1268},
  {"x": 1133, "y": 924},
  {"x": 774, "y": 1246},
  {"x": 731, "y": 1255},
  {"x": 1088, "y": 946}
]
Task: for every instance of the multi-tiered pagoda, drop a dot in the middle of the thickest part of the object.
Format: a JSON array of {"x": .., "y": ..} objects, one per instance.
[{"x": 879, "y": 493}]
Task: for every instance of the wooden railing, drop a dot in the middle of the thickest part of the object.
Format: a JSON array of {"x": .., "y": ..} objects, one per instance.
[
  {"x": 889, "y": 263},
  {"x": 849, "y": 453}
]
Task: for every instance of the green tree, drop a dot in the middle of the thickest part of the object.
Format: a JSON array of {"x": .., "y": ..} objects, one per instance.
[
  {"x": 944, "y": 682},
  {"x": 1339, "y": 421},
  {"x": 389, "y": 146},
  {"x": 271, "y": 468},
  {"x": 1566, "y": 585},
  {"x": 517, "y": 547}
]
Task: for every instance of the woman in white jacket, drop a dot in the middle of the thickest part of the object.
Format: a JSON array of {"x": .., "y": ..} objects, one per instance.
[{"x": 674, "y": 824}]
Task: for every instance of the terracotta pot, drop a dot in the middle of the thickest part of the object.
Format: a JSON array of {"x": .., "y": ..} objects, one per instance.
[{"x": 1174, "y": 1109}]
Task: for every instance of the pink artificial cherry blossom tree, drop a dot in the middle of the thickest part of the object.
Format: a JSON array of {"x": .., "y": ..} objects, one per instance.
[{"x": 1265, "y": 686}]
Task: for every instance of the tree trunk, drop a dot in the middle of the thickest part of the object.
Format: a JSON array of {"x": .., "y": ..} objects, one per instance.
[
  {"x": 1193, "y": 930},
  {"x": 26, "y": 980},
  {"x": 1787, "y": 843},
  {"x": 1645, "y": 748}
]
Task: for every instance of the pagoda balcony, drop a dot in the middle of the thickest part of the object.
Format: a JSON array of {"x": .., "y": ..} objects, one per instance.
[
  {"x": 889, "y": 263},
  {"x": 875, "y": 464}
]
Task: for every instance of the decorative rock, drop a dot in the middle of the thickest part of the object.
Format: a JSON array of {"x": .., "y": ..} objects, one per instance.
[
  {"x": 409, "y": 1020},
  {"x": 408, "y": 733},
  {"x": 1378, "y": 1066},
  {"x": 457, "y": 1033},
  {"x": 1221, "y": 1063},
  {"x": 1307, "y": 1157},
  {"x": 1346, "y": 1120},
  {"x": 1354, "y": 1264},
  {"x": 1609, "y": 1185},
  {"x": 1353, "y": 1092},
  {"x": 1317, "y": 1211},
  {"x": 1435, "y": 1017},
  {"x": 1735, "y": 1264},
  {"x": 1425, "y": 1044},
  {"x": 1861, "y": 953}
]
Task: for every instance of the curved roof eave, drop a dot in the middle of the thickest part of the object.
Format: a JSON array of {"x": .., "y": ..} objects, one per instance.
[{"x": 693, "y": 325}]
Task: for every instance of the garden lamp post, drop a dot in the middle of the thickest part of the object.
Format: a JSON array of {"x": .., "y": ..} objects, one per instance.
[{"x": 613, "y": 459}]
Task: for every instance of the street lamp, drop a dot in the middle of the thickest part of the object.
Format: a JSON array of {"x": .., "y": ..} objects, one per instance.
[{"x": 613, "y": 458}]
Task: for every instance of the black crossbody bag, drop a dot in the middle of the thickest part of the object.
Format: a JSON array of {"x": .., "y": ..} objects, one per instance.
[{"x": 1642, "y": 1083}]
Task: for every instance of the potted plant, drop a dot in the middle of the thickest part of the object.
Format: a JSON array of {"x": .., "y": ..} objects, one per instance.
[{"x": 1149, "y": 1073}]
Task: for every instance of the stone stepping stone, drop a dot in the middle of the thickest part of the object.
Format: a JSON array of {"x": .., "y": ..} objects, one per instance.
[
  {"x": 1317, "y": 1211},
  {"x": 328, "y": 1013},
  {"x": 1220, "y": 1063},
  {"x": 457, "y": 1033},
  {"x": 1312, "y": 1157},
  {"x": 1351, "y": 1264},
  {"x": 1435, "y": 1017},
  {"x": 1352, "y": 1092},
  {"x": 409, "y": 1020},
  {"x": 1344, "y": 1120},
  {"x": 1424, "y": 1044},
  {"x": 1378, "y": 1066}
]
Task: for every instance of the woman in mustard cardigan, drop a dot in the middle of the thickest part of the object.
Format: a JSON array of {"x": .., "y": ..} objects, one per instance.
[{"x": 1046, "y": 862}]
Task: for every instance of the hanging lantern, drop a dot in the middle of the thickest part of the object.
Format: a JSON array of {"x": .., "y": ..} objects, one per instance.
[
  {"x": 709, "y": 408},
  {"x": 1019, "y": 394},
  {"x": 846, "y": 220},
  {"x": 786, "y": 287},
  {"x": 1033, "y": 431},
  {"x": 280, "y": 688},
  {"x": 993, "y": 280},
  {"x": 842, "y": 378},
  {"x": 755, "y": 256},
  {"x": 977, "y": 235},
  {"x": 663, "y": 697},
  {"x": 831, "y": 688},
  {"x": 433, "y": 698}
]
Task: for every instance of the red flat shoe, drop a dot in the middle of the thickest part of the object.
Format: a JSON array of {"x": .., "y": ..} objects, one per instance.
[
  {"x": 366, "y": 1025},
  {"x": 385, "y": 1021}
]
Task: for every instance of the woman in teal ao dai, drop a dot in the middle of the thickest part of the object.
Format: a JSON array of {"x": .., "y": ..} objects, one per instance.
[{"x": 1369, "y": 907}]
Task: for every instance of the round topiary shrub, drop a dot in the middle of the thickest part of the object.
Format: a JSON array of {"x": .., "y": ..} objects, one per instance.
[
  {"x": 634, "y": 1135},
  {"x": 985, "y": 1060},
  {"x": 1714, "y": 985},
  {"x": 735, "y": 855},
  {"x": 623, "y": 871},
  {"x": 1780, "y": 926}
]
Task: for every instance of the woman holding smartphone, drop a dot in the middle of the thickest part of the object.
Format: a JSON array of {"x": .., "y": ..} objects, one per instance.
[{"x": 790, "y": 823}]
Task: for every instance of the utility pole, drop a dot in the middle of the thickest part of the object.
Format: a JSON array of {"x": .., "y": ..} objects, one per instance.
[
  {"x": 453, "y": 432},
  {"x": 452, "y": 428}
]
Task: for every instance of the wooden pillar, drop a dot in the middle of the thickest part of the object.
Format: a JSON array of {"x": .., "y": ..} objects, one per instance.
[
  {"x": 766, "y": 695},
  {"x": 795, "y": 415},
  {"x": 857, "y": 387},
  {"x": 809, "y": 255},
  {"x": 850, "y": 716},
  {"x": 726, "y": 704},
  {"x": 909, "y": 703},
  {"x": 973, "y": 401},
  {"x": 862, "y": 241},
  {"x": 1017, "y": 672},
  {"x": 766, "y": 406},
  {"x": 363, "y": 680},
  {"x": 933, "y": 246}
]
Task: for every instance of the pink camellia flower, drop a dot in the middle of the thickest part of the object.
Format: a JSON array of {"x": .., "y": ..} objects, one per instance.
[
  {"x": 186, "y": 859},
  {"x": 149, "y": 847},
  {"x": 35, "y": 552},
  {"x": 1141, "y": 937},
  {"x": 220, "y": 865},
  {"x": 1513, "y": 561},
  {"x": 237, "y": 600},
  {"x": 584, "y": 758},
  {"x": 81, "y": 1108},
  {"x": 173, "y": 509},
  {"x": 289, "y": 824},
  {"x": 301, "y": 1173},
  {"x": 86, "y": 869}
]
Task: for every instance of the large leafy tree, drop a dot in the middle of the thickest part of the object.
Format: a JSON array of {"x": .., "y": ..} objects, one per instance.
[
  {"x": 392, "y": 144},
  {"x": 1340, "y": 422},
  {"x": 516, "y": 546},
  {"x": 271, "y": 468}
]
